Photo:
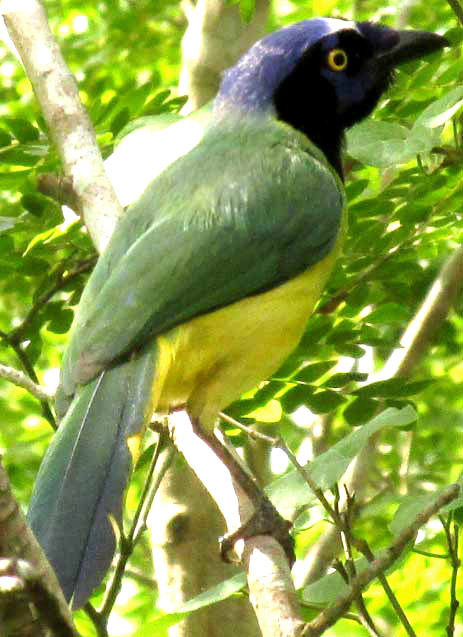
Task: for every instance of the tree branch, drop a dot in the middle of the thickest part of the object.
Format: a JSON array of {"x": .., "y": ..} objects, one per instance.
[
  {"x": 452, "y": 543},
  {"x": 271, "y": 589},
  {"x": 334, "y": 612},
  {"x": 63, "y": 278},
  {"x": 433, "y": 311},
  {"x": 29, "y": 369},
  {"x": 38, "y": 581},
  {"x": 457, "y": 9},
  {"x": 21, "y": 380},
  {"x": 68, "y": 122},
  {"x": 214, "y": 40}
]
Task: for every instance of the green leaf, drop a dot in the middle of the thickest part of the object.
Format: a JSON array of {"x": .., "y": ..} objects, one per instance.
[
  {"x": 412, "y": 505},
  {"x": 314, "y": 371},
  {"x": 355, "y": 188},
  {"x": 23, "y": 155},
  {"x": 34, "y": 203},
  {"x": 145, "y": 457},
  {"x": 160, "y": 627},
  {"x": 291, "y": 493},
  {"x": 330, "y": 466},
  {"x": 391, "y": 388},
  {"x": 268, "y": 391},
  {"x": 5, "y": 138},
  {"x": 407, "y": 511},
  {"x": 341, "y": 379},
  {"x": 119, "y": 121},
  {"x": 295, "y": 397},
  {"x": 379, "y": 143},
  {"x": 347, "y": 349},
  {"x": 217, "y": 593},
  {"x": 247, "y": 8},
  {"x": 323, "y": 402},
  {"x": 271, "y": 412},
  {"x": 156, "y": 104},
  {"x": 317, "y": 329},
  {"x": 23, "y": 130},
  {"x": 325, "y": 590},
  {"x": 388, "y": 313},
  {"x": 360, "y": 410},
  {"x": 13, "y": 180},
  {"x": 440, "y": 111},
  {"x": 59, "y": 318}
]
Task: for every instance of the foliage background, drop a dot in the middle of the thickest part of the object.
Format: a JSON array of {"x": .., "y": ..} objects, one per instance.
[{"x": 405, "y": 221}]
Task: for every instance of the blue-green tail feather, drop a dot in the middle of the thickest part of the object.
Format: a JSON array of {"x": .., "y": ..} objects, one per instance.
[{"x": 85, "y": 472}]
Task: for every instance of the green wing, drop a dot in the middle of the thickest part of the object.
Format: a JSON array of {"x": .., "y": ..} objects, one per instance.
[{"x": 249, "y": 208}]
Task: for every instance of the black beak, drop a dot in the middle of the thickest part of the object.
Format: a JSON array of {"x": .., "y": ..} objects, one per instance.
[{"x": 412, "y": 45}]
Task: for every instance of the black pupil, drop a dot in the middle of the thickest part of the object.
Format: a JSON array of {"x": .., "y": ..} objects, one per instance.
[{"x": 339, "y": 59}]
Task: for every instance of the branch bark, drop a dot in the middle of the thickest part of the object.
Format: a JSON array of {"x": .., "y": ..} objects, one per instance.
[
  {"x": 214, "y": 40},
  {"x": 271, "y": 589},
  {"x": 185, "y": 525},
  {"x": 21, "y": 380},
  {"x": 38, "y": 581}
]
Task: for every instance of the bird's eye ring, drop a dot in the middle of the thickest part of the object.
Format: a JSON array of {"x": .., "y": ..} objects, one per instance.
[{"x": 337, "y": 59}]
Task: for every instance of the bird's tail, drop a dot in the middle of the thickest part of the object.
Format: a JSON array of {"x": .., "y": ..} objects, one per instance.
[{"x": 77, "y": 504}]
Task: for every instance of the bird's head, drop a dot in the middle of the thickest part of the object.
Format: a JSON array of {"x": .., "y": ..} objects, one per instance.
[{"x": 321, "y": 76}]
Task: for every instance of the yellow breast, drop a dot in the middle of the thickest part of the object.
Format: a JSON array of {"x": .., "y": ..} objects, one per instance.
[{"x": 208, "y": 362}]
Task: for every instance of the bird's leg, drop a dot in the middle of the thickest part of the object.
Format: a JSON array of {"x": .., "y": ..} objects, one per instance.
[{"x": 265, "y": 520}]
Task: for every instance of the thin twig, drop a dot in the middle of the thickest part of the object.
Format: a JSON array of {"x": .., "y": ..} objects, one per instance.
[
  {"x": 350, "y": 570},
  {"x": 452, "y": 542},
  {"x": 363, "y": 547},
  {"x": 364, "y": 617},
  {"x": 147, "y": 501},
  {"x": 141, "y": 578},
  {"x": 279, "y": 443},
  {"x": 336, "y": 610},
  {"x": 457, "y": 9},
  {"x": 62, "y": 280},
  {"x": 30, "y": 371},
  {"x": 252, "y": 433},
  {"x": 314, "y": 606},
  {"x": 127, "y": 543},
  {"x": 99, "y": 623},
  {"x": 21, "y": 380},
  {"x": 439, "y": 556}
]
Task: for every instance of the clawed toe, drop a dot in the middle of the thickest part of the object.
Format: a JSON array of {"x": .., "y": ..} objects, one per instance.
[{"x": 265, "y": 521}]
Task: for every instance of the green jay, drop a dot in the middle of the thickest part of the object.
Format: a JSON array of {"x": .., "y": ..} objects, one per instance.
[{"x": 208, "y": 281}]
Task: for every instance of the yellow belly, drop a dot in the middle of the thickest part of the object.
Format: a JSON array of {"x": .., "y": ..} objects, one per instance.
[{"x": 208, "y": 362}]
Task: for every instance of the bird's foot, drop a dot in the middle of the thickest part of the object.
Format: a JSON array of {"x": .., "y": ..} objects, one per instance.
[{"x": 265, "y": 521}]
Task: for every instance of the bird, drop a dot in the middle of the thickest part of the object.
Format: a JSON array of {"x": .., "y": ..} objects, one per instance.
[{"x": 209, "y": 279}]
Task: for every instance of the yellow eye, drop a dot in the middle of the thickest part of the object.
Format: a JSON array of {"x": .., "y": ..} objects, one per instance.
[{"x": 337, "y": 59}]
